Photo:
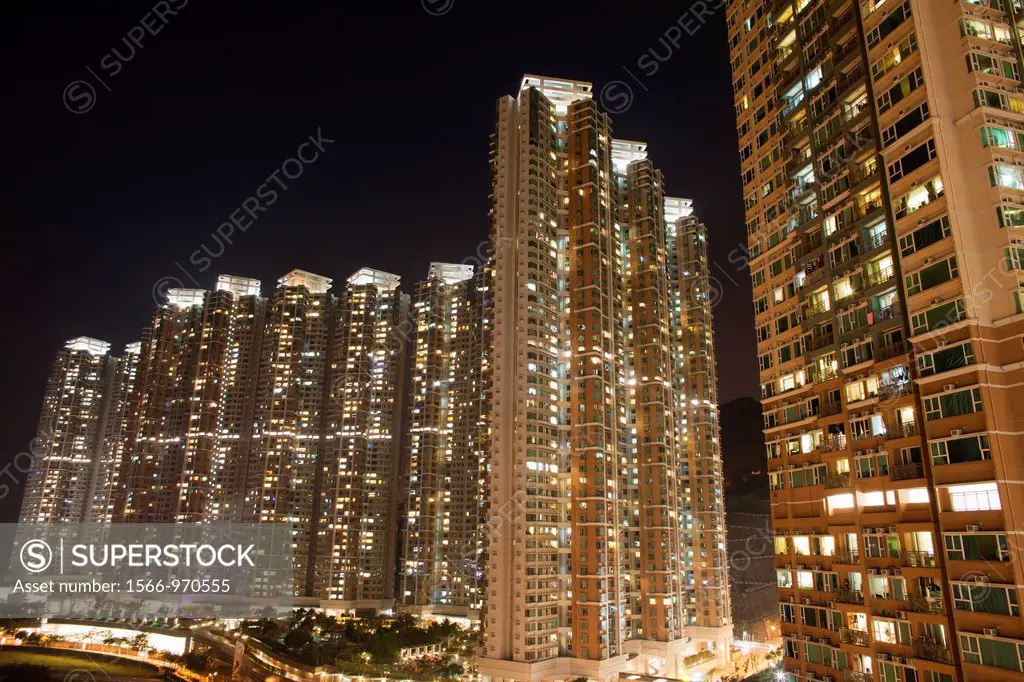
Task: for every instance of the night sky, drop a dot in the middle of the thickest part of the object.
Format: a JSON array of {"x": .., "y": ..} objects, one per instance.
[{"x": 109, "y": 203}]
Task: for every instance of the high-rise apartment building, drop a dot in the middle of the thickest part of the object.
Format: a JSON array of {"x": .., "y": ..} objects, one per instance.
[
  {"x": 606, "y": 542},
  {"x": 122, "y": 411},
  {"x": 80, "y": 434},
  {"x": 195, "y": 385},
  {"x": 290, "y": 438},
  {"x": 240, "y": 408},
  {"x": 447, "y": 443},
  {"x": 883, "y": 184},
  {"x": 360, "y": 501}
]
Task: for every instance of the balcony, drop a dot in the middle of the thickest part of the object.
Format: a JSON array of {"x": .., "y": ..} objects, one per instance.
[
  {"x": 905, "y": 472},
  {"x": 815, "y": 272},
  {"x": 923, "y": 605},
  {"x": 867, "y": 208},
  {"x": 812, "y": 242},
  {"x": 835, "y": 481},
  {"x": 872, "y": 242},
  {"x": 890, "y": 312},
  {"x": 881, "y": 276},
  {"x": 932, "y": 652},
  {"x": 829, "y": 409},
  {"x": 815, "y": 309},
  {"x": 847, "y": 557},
  {"x": 858, "y": 637},
  {"x": 817, "y": 343},
  {"x": 917, "y": 559},
  {"x": 904, "y": 430},
  {"x": 891, "y": 351},
  {"x": 833, "y": 444},
  {"x": 892, "y": 391},
  {"x": 850, "y": 597}
]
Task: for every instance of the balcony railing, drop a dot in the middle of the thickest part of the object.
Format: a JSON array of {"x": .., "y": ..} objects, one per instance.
[
  {"x": 815, "y": 309},
  {"x": 856, "y": 676},
  {"x": 917, "y": 559},
  {"x": 903, "y": 430},
  {"x": 873, "y": 241},
  {"x": 814, "y": 344},
  {"x": 890, "y": 312},
  {"x": 867, "y": 208},
  {"x": 827, "y": 409},
  {"x": 858, "y": 637},
  {"x": 932, "y": 652},
  {"x": 890, "y": 351},
  {"x": 904, "y": 472},
  {"x": 880, "y": 276},
  {"x": 846, "y": 557},
  {"x": 891, "y": 391},
  {"x": 850, "y": 596},
  {"x": 819, "y": 376},
  {"x": 833, "y": 444},
  {"x": 923, "y": 605},
  {"x": 842, "y": 480}
]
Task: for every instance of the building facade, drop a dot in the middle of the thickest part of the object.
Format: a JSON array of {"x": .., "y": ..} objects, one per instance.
[
  {"x": 80, "y": 434},
  {"x": 879, "y": 144},
  {"x": 606, "y": 541},
  {"x": 241, "y": 408},
  {"x": 365, "y": 393},
  {"x": 447, "y": 440}
]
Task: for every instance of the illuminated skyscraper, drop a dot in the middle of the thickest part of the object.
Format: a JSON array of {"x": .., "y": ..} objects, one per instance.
[
  {"x": 359, "y": 518},
  {"x": 880, "y": 144},
  {"x": 289, "y": 441},
  {"x": 192, "y": 414},
  {"x": 78, "y": 435},
  {"x": 606, "y": 543},
  {"x": 121, "y": 421},
  {"x": 447, "y": 441}
]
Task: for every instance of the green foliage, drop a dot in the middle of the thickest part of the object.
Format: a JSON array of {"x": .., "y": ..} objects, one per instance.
[{"x": 370, "y": 646}]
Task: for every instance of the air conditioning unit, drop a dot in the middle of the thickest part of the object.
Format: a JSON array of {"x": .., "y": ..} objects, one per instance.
[
  {"x": 901, "y": 615},
  {"x": 830, "y": 604},
  {"x": 807, "y": 638},
  {"x": 873, "y": 571},
  {"x": 991, "y": 632},
  {"x": 899, "y": 659},
  {"x": 807, "y": 600},
  {"x": 936, "y": 301},
  {"x": 883, "y": 656},
  {"x": 886, "y": 571},
  {"x": 940, "y": 343},
  {"x": 973, "y": 528},
  {"x": 892, "y": 529},
  {"x": 956, "y": 432},
  {"x": 948, "y": 387}
]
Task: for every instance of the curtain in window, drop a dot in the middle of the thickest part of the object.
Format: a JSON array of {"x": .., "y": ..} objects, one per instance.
[{"x": 999, "y": 654}]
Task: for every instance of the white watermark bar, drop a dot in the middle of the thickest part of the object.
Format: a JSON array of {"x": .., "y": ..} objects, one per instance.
[{"x": 146, "y": 570}]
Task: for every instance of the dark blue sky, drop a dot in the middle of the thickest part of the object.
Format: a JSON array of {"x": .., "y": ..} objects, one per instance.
[{"x": 103, "y": 204}]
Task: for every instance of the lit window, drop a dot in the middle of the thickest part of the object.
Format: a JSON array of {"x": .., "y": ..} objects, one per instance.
[{"x": 974, "y": 497}]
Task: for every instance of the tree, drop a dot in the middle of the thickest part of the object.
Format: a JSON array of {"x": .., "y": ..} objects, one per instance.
[
  {"x": 140, "y": 642},
  {"x": 385, "y": 647},
  {"x": 298, "y": 638}
]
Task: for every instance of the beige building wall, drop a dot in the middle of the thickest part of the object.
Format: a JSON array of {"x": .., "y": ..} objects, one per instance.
[{"x": 879, "y": 144}]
